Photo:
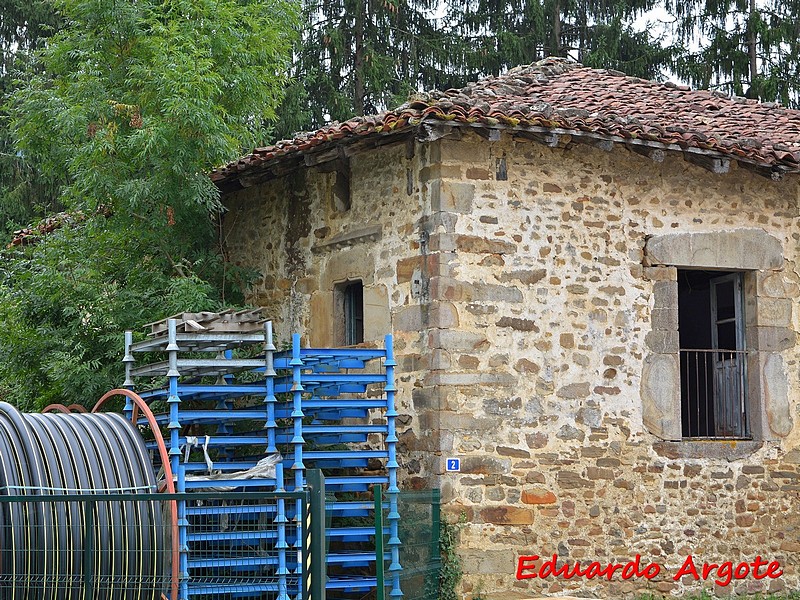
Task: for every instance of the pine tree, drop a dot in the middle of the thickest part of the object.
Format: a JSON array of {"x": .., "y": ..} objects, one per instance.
[
  {"x": 746, "y": 48},
  {"x": 358, "y": 57},
  {"x": 497, "y": 35}
]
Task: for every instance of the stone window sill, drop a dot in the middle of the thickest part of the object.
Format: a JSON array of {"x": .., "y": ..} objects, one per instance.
[{"x": 721, "y": 449}]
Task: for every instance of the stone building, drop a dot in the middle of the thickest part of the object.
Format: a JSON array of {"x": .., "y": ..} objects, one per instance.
[{"x": 592, "y": 282}]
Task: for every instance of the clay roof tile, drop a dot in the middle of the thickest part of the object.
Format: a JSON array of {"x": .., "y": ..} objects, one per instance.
[{"x": 561, "y": 93}]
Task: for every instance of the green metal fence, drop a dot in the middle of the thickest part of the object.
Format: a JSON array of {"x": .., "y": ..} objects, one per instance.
[
  {"x": 129, "y": 546},
  {"x": 419, "y": 551},
  {"x": 220, "y": 545}
]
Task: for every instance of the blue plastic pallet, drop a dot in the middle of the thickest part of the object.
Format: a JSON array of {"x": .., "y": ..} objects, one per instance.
[{"x": 300, "y": 405}]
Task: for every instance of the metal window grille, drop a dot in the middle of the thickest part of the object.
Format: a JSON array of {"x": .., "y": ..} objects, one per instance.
[{"x": 714, "y": 389}]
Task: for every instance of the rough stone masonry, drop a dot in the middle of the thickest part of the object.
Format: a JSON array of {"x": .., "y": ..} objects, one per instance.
[{"x": 532, "y": 290}]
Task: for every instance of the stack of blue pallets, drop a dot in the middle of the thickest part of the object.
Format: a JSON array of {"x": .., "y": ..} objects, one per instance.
[{"x": 232, "y": 403}]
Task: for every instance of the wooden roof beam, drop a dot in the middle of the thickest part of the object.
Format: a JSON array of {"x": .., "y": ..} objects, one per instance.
[
  {"x": 551, "y": 140},
  {"x": 490, "y": 135},
  {"x": 715, "y": 164},
  {"x": 655, "y": 154}
]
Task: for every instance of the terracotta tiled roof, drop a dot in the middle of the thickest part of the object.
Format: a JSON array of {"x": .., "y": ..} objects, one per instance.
[
  {"x": 31, "y": 235},
  {"x": 565, "y": 96}
]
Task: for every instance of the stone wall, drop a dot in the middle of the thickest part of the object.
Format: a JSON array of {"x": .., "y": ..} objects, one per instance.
[
  {"x": 533, "y": 326},
  {"x": 296, "y": 232}
]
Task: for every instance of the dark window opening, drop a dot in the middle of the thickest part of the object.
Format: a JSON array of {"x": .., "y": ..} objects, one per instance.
[
  {"x": 713, "y": 357},
  {"x": 353, "y": 313},
  {"x": 341, "y": 188},
  {"x": 501, "y": 173}
]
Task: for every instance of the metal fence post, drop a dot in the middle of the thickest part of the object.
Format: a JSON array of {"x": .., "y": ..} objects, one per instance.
[
  {"x": 88, "y": 550},
  {"x": 436, "y": 534},
  {"x": 379, "y": 565},
  {"x": 316, "y": 487}
]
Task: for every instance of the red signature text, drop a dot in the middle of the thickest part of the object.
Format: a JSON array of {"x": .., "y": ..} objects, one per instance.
[
  {"x": 725, "y": 572},
  {"x": 530, "y": 567},
  {"x": 527, "y": 569}
]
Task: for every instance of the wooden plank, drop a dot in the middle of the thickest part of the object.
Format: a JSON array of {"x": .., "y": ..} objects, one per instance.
[
  {"x": 317, "y": 158},
  {"x": 773, "y": 173},
  {"x": 490, "y": 135}
]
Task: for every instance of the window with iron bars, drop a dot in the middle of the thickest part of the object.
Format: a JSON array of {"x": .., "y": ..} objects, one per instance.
[{"x": 713, "y": 355}]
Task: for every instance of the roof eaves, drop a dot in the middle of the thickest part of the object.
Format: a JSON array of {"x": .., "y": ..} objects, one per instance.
[
  {"x": 257, "y": 168},
  {"x": 712, "y": 156},
  {"x": 268, "y": 163}
]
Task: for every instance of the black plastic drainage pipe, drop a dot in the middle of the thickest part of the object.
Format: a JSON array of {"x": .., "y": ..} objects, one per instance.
[{"x": 44, "y": 543}]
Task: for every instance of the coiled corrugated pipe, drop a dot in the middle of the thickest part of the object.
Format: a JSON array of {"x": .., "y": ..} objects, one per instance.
[{"x": 43, "y": 543}]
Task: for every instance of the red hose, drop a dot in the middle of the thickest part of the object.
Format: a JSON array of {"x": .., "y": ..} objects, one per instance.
[{"x": 141, "y": 405}]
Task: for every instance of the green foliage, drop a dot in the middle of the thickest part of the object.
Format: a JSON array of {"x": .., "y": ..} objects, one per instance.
[
  {"x": 497, "y": 35},
  {"x": 137, "y": 100},
  {"x": 451, "y": 569},
  {"x": 24, "y": 191},
  {"x": 132, "y": 103},
  {"x": 64, "y": 303},
  {"x": 360, "y": 56},
  {"x": 740, "y": 47},
  {"x": 616, "y": 45}
]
